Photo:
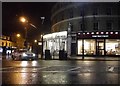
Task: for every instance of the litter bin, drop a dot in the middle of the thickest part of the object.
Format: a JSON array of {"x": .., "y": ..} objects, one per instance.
[
  {"x": 47, "y": 55},
  {"x": 62, "y": 55},
  {"x": 65, "y": 55}
]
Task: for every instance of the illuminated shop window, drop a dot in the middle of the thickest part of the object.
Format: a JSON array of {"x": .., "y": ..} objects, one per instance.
[
  {"x": 55, "y": 42},
  {"x": 89, "y": 47},
  {"x": 113, "y": 47},
  {"x": 1, "y": 49},
  {"x": 79, "y": 47}
]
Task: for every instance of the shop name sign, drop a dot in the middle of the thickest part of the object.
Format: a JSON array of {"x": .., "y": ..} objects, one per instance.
[{"x": 100, "y": 36}]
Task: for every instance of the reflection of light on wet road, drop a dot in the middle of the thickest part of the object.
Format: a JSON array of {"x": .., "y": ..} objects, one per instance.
[
  {"x": 54, "y": 78},
  {"x": 24, "y": 76},
  {"x": 34, "y": 63},
  {"x": 24, "y": 70},
  {"x": 87, "y": 74},
  {"x": 24, "y": 63},
  {"x": 86, "y": 62}
]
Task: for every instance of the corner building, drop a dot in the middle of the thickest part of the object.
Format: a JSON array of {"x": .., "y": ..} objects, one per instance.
[{"x": 94, "y": 26}]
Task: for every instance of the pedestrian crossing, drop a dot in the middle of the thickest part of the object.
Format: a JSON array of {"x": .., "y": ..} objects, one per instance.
[{"x": 60, "y": 69}]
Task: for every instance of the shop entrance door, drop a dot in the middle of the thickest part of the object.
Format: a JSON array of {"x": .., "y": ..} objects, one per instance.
[{"x": 100, "y": 47}]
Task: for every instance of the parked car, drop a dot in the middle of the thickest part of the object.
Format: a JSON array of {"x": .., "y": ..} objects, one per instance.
[{"x": 24, "y": 55}]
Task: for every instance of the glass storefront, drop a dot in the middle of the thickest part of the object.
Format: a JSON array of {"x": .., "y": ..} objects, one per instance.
[
  {"x": 99, "y": 47},
  {"x": 54, "y": 45},
  {"x": 55, "y": 42},
  {"x": 112, "y": 46},
  {"x": 89, "y": 47}
]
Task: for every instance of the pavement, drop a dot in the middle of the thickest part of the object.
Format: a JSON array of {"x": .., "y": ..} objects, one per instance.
[
  {"x": 89, "y": 58},
  {"x": 86, "y": 58}
]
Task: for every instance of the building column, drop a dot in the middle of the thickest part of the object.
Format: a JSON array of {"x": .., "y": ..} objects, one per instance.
[{"x": 69, "y": 41}]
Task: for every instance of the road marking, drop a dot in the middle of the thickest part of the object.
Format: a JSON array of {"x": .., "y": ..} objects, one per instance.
[
  {"x": 74, "y": 69},
  {"x": 110, "y": 69},
  {"x": 44, "y": 67},
  {"x": 39, "y": 69},
  {"x": 6, "y": 68},
  {"x": 50, "y": 72}
]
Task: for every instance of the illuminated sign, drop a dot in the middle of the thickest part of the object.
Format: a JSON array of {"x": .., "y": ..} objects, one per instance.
[{"x": 100, "y": 35}]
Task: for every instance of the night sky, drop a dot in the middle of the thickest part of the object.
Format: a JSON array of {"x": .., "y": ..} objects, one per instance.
[{"x": 11, "y": 11}]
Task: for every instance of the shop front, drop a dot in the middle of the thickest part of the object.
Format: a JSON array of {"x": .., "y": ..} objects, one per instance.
[
  {"x": 55, "y": 42},
  {"x": 98, "y": 43}
]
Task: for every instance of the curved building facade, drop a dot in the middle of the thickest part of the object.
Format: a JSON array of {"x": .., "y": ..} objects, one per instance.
[
  {"x": 93, "y": 27},
  {"x": 97, "y": 16}
]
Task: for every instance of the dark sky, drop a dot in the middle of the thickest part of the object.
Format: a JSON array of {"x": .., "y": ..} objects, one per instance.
[{"x": 11, "y": 11}]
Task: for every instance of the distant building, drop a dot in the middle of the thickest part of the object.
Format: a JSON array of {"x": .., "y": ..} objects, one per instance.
[
  {"x": 94, "y": 27},
  {"x": 6, "y": 44},
  {"x": 9, "y": 43},
  {"x": 19, "y": 41}
]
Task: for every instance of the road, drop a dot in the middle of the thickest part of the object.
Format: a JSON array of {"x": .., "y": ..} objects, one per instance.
[{"x": 60, "y": 72}]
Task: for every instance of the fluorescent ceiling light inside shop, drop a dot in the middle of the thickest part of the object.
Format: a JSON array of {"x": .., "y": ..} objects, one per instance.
[{"x": 54, "y": 35}]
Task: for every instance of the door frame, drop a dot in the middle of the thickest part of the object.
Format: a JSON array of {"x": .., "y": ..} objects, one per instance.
[{"x": 100, "y": 51}]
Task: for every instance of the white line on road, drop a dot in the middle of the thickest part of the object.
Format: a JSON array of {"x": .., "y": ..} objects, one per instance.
[
  {"x": 110, "y": 69},
  {"x": 44, "y": 67},
  {"x": 74, "y": 69},
  {"x": 7, "y": 68}
]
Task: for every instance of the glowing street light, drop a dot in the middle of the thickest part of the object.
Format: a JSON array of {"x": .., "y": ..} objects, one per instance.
[
  {"x": 35, "y": 41},
  {"x": 22, "y": 19},
  {"x": 18, "y": 35}
]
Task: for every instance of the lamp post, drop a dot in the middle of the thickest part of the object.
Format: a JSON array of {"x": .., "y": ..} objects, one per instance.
[
  {"x": 42, "y": 18},
  {"x": 24, "y": 20},
  {"x": 83, "y": 28},
  {"x": 69, "y": 40},
  {"x": 18, "y": 35},
  {"x": 42, "y": 46}
]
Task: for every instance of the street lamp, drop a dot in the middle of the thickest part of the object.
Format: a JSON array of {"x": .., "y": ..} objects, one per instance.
[
  {"x": 42, "y": 46},
  {"x": 35, "y": 41},
  {"x": 18, "y": 35},
  {"x": 42, "y": 18},
  {"x": 24, "y": 20}
]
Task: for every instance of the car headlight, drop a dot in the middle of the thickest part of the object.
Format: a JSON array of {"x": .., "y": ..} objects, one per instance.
[
  {"x": 24, "y": 54},
  {"x": 33, "y": 54}
]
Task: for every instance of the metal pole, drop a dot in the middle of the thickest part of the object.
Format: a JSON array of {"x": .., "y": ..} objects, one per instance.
[
  {"x": 83, "y": 34},
  {"x": 42, "y": 49},
  {"x": 26, "y": 45},
  {"x": 82, "y": 49},
  {"x": 42, "y": 18}
]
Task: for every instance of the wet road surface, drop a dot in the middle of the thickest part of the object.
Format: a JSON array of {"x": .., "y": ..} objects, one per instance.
[{"x": 60, "y": 72}]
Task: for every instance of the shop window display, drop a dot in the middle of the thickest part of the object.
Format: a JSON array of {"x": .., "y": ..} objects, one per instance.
[
  {"x": 89, "y": 47},
  {"x": 113, "y": 47}
]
